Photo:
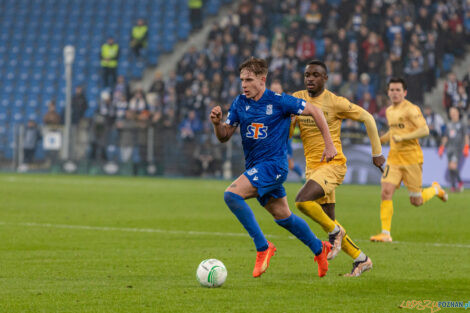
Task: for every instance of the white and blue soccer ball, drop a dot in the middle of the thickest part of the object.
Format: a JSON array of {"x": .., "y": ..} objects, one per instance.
[{"x": 211, "y": 273}]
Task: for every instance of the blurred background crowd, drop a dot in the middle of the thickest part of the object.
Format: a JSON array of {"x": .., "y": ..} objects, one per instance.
[{"x": 363, "y": 43}]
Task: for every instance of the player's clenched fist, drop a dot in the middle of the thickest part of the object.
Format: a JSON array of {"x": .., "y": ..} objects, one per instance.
[{"x": 216, "y": 115}]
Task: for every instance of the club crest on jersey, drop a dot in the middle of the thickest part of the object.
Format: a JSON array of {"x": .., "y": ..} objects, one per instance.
[
  {"x": 257, "y": 131},
  {"x": 269, "y": 109},
  {"x": 302, "y": 103},
  {"x": 252, "y": 171}
]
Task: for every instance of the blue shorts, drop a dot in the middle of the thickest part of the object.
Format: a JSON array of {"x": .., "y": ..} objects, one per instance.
[{"x": 268, "y": 178}]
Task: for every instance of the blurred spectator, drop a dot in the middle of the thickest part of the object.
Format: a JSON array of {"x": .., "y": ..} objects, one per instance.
[
  {"x": 79, "y": 105},
  {"x": 120, "y": 104},
  {"x": 335, "y": 82},
  {"x": 305, "y": 49},
  {"x": 357, "y": 18},
  {"x": 395, "y": 28},
  {"x": 51, "y": 117},
  {"x": 195, "y": 11},
  {"x": 189, "y": 130},
  {"x": 126, "y": 130},
  {"x": 435, "y": 123},
  {"x": 122, "y": 87},
  {"x": 109, "y": 62},
  {"x": 190, "y": 126},
  {"x": 313, "y": 15},
  {"x": 456, "y": 141},
  {"x": 450, "y": 89},
  {"x": 208, "y": 157},
  {"x": 158, "y": 85},
  {"x": 32, "y": 136},
  {"x": 353, "y": 58},
  {"x": 460, "y": 99},
  {"x": 368, "y": 104},
  {"x": 364, "y": 87},
  {"x": 139, "y": 36},
  {"x": 143, "y": 123},
  {"x": 331, "y": 24},
  {"x": 349, "y": 88},
  {"x": 138, "y": 104},
  {"x": 102, "y": 123}
]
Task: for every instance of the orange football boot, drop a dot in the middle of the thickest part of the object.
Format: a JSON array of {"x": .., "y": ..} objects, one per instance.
[
  {"x": 322, "y": 260},
  {"x": 262, "y": 260}
]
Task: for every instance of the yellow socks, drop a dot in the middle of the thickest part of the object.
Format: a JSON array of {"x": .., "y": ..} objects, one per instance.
[
  {"x": 428, "y": 193},
  {"x": 386, "y": 212},
  {"x": 348, "y": 246},
  {"x": 316, "y": 213}
]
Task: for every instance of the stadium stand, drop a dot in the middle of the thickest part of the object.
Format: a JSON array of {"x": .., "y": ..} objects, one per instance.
[
  {"x": 34, "y": 32},
  {"x": 363, "y": 43}
]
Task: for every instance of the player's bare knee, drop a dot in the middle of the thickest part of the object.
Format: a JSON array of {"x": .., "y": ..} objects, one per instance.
[
  {"x": 416, "y": 201},
  {"x": 279, "y": 211},
  {"x": 386, "y": 194},
  {"x": 300, "y": 197}
]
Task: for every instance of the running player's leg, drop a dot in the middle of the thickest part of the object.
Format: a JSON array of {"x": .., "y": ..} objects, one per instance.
[
  {"x": 391, "y": 178},
  {"x": 283, "y": 216},
  {"x": 361, "y": 262},
  {"x": 412, "y": 178},
  {"x": 234, "y": 197},
  {"x": 320, "y": 188},
  {"x": 317, "y": 186},
  {"x": 386, "y": 213},
  {"x": 453, "y": 172},
  {"x": 305, "y": 202},
  {"x": 456, "y": 180}
]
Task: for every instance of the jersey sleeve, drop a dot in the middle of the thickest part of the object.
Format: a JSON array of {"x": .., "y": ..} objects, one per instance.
[
  {"x": 232, "y": 116},
  {"x": 344, "y": 109},
  {"x": 416, "y": 117},
  {"x": 292, "y": 105}
]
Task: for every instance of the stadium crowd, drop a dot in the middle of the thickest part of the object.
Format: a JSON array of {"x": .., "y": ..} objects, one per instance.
[{"x": 363, "y": 43}]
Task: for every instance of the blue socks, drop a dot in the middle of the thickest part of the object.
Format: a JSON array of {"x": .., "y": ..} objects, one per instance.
[
  {"x": 245, "y": 215},
  {"x": 294, "y": 224},
  {"x": 300, "y": 229}
]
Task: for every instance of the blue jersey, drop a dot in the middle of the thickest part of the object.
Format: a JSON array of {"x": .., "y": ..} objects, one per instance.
[{"x": 264, "y": 125}]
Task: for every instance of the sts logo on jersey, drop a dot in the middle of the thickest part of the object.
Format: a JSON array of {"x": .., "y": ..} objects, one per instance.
[{"x": 257, "y": 131}]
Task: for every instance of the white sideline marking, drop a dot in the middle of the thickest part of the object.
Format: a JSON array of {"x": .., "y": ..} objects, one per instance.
[
  {"x": 127, "y": 229},
  {"x": 205, "y": 233}
]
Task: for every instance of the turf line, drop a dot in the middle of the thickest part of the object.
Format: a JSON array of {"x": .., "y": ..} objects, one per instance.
[{"x": 204, "y": 233}]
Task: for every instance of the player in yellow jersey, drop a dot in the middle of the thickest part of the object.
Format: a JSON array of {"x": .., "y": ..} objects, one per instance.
[
  {"x": 317, "y": 197},
  {"x": 405, "y": 159}
]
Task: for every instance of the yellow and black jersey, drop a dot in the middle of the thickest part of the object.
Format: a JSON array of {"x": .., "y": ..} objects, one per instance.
[{"x": 402, "y": 119}]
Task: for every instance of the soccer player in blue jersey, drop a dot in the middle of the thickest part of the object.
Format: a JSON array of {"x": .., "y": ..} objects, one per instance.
[{"x": 264, "y": 120}]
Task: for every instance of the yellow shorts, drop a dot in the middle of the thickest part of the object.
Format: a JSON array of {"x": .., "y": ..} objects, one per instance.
[
  {"x": 411, "y": 175},
  {"x": 328, "y": 177}
]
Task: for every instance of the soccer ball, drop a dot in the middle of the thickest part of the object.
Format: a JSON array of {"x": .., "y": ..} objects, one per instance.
[{"x": 211, "y": 273}]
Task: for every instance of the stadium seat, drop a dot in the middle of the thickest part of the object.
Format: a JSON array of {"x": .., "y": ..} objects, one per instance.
[{"x": 31, "y": 46}]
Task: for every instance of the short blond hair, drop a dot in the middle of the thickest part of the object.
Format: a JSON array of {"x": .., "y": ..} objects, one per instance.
[{"x": 256, "y": 66}]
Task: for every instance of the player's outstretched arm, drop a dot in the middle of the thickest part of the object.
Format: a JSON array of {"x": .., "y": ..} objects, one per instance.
[
  {"x": 466, "y": 148},
  {"x": 375, "y": 141},
  {"x": 442, "y": 147},
  {"x": 223, "y": 131},
  {"x": 423, "y": 131},
  {"x": 330, "y": 151}
]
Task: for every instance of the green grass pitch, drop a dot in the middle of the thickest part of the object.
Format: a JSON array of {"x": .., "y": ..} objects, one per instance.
[{"x": 122, "y": 244}]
